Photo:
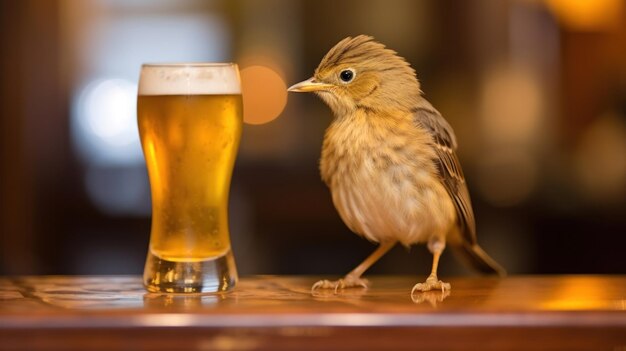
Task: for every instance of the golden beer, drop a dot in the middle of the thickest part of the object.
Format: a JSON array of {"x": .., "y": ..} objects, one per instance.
[
  {"x": 190, "y": 145},
  {"x": 190, "y": 141}
]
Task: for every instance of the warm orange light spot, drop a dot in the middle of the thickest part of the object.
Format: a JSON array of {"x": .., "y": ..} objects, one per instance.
[
  {"x": 599, "y": 162},
  {"x": 588, "y": 14},
  {"x": 580, "y": 293},
  {"x": 264, "y": 94},
  {"x": 511, "y": 104}
]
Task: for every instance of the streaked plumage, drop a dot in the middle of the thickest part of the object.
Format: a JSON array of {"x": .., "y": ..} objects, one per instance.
[{"x": 389, "y": 159}]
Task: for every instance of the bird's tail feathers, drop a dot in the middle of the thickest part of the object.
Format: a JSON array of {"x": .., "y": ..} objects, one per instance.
[{"x": 479, "y": 259}]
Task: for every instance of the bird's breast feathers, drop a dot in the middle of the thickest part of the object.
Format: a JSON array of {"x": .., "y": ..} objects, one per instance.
[{"x": 383, "y": 180}]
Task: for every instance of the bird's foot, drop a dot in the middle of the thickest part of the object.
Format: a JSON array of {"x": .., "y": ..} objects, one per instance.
[
  {"x": 432, "y": 297},
  {"x": 431, "y": 283},
  {"x": 347, "y": 282}
]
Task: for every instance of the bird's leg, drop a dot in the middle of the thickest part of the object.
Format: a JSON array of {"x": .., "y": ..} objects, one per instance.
[
  {"x": 353, "y": 279},
  {"x": 435, "y": 246}
]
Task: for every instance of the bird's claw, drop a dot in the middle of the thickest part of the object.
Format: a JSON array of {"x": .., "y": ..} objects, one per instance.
[
  {"x": 430, "y": 284},
  {"x": 432, "y": 297},
  {"x": 336, "y": 285}
]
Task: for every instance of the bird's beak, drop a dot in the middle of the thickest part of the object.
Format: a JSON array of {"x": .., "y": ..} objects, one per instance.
[{"x": 309, "y": 85}]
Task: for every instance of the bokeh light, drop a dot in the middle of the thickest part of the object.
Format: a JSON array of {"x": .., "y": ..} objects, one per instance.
[
  {"x": 264, "y": 94},
  {"x": 511, "y": 105},
  {"x": 600, "y": 160},
  {"x": 104, "y": 125},
  {"x": 588, "y": 14}
]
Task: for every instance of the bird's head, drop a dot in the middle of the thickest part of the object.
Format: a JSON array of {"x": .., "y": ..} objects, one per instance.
[{"x": 361, "y": 73}]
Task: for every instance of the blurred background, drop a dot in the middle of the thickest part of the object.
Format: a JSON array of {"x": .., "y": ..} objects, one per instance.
[{"x": 535, "y": 89}]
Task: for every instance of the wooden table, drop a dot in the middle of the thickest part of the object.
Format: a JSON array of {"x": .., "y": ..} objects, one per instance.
[{"x": 280, "y": 313}]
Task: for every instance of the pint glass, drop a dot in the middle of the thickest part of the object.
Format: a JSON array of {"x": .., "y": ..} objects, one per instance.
[{"x": 190, "y": 118}]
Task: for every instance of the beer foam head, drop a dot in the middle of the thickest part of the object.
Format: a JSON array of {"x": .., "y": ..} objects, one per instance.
[{"x": 189, "y": 79}]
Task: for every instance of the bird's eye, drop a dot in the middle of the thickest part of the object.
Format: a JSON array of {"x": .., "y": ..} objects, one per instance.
[{"x": 346, "y": 75}]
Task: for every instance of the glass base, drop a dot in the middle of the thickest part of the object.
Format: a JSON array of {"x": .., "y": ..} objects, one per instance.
[{"x": 210, "y": 276}]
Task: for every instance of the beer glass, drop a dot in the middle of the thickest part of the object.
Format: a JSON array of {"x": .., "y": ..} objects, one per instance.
[{"x": 190, "y": 119}]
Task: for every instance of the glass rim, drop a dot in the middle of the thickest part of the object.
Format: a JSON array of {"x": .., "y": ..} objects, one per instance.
[{"x": 188, "y": 64}]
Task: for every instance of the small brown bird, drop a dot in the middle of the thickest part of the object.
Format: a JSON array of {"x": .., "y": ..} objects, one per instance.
[{"x": 389, "y": 160}]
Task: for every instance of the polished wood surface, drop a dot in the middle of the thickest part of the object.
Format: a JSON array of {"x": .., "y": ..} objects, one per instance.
[{"x": 281, "y": 313}]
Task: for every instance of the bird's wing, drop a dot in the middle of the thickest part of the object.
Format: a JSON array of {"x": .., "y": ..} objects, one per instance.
[{"x": 449, "y": 167}]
